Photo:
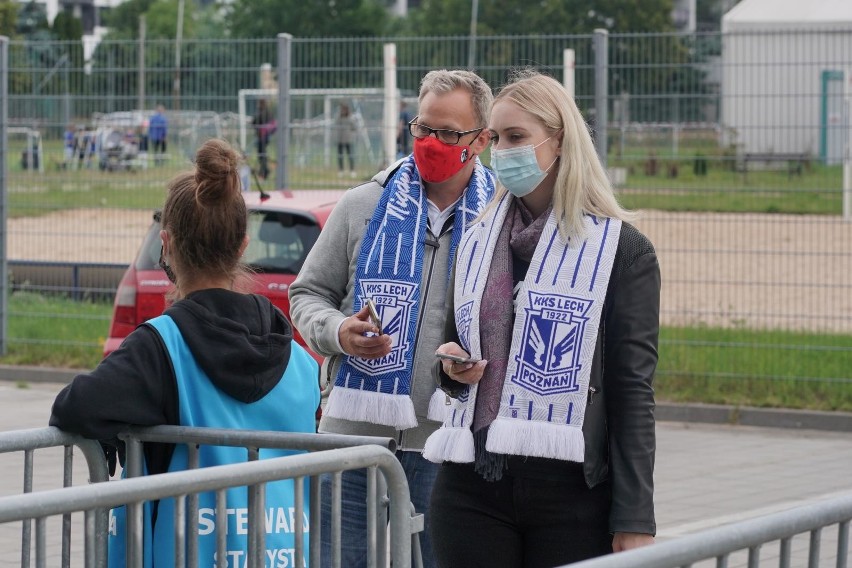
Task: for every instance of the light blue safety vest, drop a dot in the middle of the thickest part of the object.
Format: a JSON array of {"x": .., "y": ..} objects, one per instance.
[{"x": 289, "y": 407}]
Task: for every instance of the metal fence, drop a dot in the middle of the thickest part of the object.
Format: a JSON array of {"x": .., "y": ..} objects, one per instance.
[
  {"x": 389, "y": 511},
  {"x": 28, "y": 442},
  {"x": 732, "y": 145},
  {"x": 752, "y": 535},
  {"x": 823, "y": 525}
]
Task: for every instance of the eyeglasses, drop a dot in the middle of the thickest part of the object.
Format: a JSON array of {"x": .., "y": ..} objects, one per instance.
[{"x": 445, "y": 135}]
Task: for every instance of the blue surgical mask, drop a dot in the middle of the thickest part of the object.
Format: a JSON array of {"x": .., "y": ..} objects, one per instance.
[{"x": 517, "y": 168}]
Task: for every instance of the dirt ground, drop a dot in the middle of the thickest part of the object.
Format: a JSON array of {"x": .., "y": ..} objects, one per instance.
[
  {"x": 79, "y": 235},
  {"x": 752, "y": 270}
]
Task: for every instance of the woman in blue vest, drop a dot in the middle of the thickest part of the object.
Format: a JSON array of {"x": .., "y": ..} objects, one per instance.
[{"x": 217, "y": 358}]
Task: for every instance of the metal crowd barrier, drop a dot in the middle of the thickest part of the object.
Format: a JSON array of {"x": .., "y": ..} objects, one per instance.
[
  {"x": 179, "y": 485},
  {"x": 387, "y": 493},
  {"x": 751, "y": 535},
  {"x": 28, "y": 441},
  {"x": 252, "y": 441}
]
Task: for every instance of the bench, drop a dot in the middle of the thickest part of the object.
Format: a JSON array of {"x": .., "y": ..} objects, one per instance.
[{"x": 795, "y": 162}]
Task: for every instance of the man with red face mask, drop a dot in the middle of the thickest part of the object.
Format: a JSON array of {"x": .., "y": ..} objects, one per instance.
[{"x": 392, "y": 241}]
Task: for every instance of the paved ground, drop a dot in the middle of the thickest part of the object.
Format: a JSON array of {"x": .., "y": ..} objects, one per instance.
[{"x": 706, "y": 475}]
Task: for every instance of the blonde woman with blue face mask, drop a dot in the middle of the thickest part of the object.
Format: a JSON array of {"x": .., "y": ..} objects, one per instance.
[{"x": 547, "y": 445}]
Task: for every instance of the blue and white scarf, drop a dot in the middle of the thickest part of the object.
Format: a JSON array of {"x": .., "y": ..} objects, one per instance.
[
  {"x": 557, "y": 315},
  {"x": 389, "y": 271}
]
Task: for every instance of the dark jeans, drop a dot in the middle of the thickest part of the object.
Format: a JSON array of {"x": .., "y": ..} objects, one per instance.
[
  {"x": 341, "y": 150},
  {"x": 159, "y": 149},
  {"x": 517, "y": 521},
  {"x": 262, "y": 158},
  {"x": 353, "y": 534}
]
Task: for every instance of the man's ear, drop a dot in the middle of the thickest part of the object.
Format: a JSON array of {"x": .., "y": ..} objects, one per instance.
[{"x": 480, "y": 143}]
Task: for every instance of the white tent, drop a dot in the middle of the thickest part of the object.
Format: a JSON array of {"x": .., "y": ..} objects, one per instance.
[{"x": 784, "y": 64}]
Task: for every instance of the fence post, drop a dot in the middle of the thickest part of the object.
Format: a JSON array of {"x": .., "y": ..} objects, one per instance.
[
  {"x": 391, "y": 111},
  {"x": 601, "y": 45},
  {"x": 4, "y": 159},
  {"x": 471, "y": 48},
  {"x": 285, "y": 54},
  {"x": 568, "y": 66},
  {"x": 141, "y": 56},
  {"x": 847, "y": 154}
]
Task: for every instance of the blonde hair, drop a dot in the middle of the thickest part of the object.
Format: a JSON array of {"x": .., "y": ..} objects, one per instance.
[
  {"x": 205, "y": 215},
  {"x": 444, "y": 81},
  {"x": 582, "y": 186}
]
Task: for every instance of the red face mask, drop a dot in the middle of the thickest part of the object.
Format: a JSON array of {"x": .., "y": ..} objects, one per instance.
[{"x": 437, "y": 161}]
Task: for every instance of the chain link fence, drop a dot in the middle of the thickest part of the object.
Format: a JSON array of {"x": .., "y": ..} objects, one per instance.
[{"x": 732, "y": 145}]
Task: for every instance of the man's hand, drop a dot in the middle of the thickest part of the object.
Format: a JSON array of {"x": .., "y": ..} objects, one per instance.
[
  {"x": 627, "y": 541},
  {"x": 354, "y": 341},
  {"x": 465, "y": 373}
]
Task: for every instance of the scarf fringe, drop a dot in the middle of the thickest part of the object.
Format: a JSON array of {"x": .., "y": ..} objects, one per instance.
[
  {"x": 489, "y": 466},
  {"x": 439, "y": 406},
  {"x": 450, "y": 444},
  {"x": 536, "y": 439},
  {"x": 395, "y": 410}
]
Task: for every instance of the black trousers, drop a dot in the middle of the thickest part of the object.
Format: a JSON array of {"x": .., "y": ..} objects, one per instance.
[
  {"x": 343, "y": 148},
  {"x": 518, "y": 521},
  {"x": 262, "y": 158}
]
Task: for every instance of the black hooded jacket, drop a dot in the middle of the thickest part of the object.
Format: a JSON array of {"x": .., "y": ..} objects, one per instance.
[{"x": 241, "y": 341}]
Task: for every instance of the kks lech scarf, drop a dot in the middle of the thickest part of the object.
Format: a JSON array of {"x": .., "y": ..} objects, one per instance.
[
  {"x": 557, "y": 316},
  {"x": 389, "y": 269}
]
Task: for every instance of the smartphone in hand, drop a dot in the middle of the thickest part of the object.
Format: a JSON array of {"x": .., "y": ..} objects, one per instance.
[
  {"x": 455, "y": 358},
  {"x": 374, "y": 315}
]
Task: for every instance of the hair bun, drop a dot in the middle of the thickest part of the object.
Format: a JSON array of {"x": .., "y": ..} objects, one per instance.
[{"x": 216, "y": 170}]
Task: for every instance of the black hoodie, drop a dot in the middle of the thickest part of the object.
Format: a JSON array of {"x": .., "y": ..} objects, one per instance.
[{"x": 241, "y": 341}]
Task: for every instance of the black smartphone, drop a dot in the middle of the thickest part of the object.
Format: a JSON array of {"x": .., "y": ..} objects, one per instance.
[
  {"x": 454, "y": 358},
  {"x": 374, "y": 315}
]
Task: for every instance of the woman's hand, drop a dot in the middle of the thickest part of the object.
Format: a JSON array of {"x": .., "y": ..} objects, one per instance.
[
  {"x": 625, "y": 541},
  {"x": 468, "y": 373}
]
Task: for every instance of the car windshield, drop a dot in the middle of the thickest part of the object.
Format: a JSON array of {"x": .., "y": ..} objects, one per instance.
[{"x": 279, "y": 242}]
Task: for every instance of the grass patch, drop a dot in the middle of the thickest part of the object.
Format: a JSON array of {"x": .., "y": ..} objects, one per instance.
[
  {"x": 755, "y": 368},
  {"x": 816, "y": 190},
  {"x": 773, "y": 369},
  {"x": 33, "y": 194},
  {"x": 55, "y": 332}
]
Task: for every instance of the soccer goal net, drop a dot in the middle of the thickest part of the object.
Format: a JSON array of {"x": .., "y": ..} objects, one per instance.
[{"x": 316, "y": 124}]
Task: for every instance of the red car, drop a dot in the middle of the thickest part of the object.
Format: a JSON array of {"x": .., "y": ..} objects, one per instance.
[{"x": 282, "y": 228}]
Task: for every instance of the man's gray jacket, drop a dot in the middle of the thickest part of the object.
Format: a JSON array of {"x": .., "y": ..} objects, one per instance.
[{"x": 323, "y": 295}]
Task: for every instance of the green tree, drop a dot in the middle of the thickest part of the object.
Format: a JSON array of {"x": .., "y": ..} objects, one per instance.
[
  {"x": 120, "y": 56},
  {"x": 123, "y": 20},
  {"x": 161, "y": 19},
  {"x": 8, "y": 17},
  {"x": 329, "y": 18},
  {"x": 67, "y": 27},
  {"x": 32, "y": 22},
  {"x": 452, "y": 17}
]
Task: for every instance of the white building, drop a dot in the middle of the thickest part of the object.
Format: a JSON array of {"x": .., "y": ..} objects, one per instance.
[{"x": 783, "y": 63}]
